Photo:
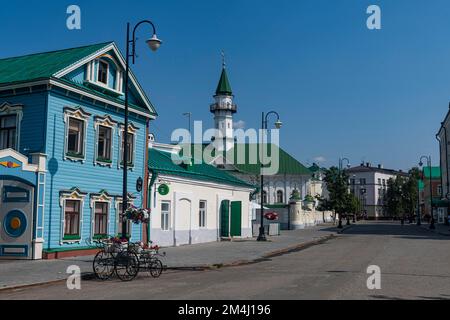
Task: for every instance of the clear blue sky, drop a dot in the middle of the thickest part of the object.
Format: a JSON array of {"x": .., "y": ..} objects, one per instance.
[{"x": 341, "y": 89}]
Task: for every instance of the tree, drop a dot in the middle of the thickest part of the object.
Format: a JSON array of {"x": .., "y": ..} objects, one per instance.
[
  {"x": 409, "y": 192},
  {"x": 352, "y": 203},
  {"x": 401, "y": 195},
  {"x": 337, "y": 185}
]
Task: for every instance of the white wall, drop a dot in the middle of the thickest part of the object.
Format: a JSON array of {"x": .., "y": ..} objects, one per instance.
[{"x": 184, "y": 198}]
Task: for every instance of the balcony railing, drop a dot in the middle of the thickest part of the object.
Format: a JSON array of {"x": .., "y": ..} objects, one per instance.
[{"x": 216, "y": 106}]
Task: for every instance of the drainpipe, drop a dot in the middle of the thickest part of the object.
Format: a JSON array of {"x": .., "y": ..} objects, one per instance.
[{"x": 149, "y": 198}]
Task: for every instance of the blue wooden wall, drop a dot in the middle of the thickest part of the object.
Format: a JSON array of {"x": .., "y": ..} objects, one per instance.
[{"x": 88, "y": 177}]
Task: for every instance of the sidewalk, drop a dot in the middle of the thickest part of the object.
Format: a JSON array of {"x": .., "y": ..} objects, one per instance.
[{"x": 16, "y": 273}]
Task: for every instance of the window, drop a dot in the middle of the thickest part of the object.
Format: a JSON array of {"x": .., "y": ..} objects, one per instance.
[
  {"x": 101, "y": 219},
  {"x": 379, "y": 181},
  {"x": 120, "y": 224},
  {"x": 384, "y": 182},
  {"x": 102, "y": 72},
  {"x": 104, "y": 144},
  {"x": 130, "y": 145},
  {"x": 439, "y": 190},
  {"x": 75, "y": 137},
  {"x": 72, "y": 219},
  {"x": 8, "y": 132},
  {"x": 352, "y": 182},
  {"x": 280, "y": 196},
  {"x": 362, "y": 181},
  {"x": 202, "y": 214},
  {"x": 264, "y": 196},
  {"x": 165, "y": 215}
]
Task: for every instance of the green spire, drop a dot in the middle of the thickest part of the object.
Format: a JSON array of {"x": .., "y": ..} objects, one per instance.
[{"x": 224, "y": 88}]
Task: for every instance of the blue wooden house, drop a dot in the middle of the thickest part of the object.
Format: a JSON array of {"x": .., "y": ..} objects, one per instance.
[{"x": 61, "y": 142}]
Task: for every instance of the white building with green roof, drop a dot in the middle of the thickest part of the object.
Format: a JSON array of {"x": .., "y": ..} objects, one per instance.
[{"x": 194, "y": 203}]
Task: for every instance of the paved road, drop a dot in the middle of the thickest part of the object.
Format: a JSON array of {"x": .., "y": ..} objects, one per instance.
[{"x": 414, "y": 262}]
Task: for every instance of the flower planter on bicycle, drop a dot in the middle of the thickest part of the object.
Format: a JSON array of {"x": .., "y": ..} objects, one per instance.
[{"x": 127, "y": 259}]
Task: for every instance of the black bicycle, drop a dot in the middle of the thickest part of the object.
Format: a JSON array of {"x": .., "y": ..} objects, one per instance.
[{"x": 115, "y": 258}]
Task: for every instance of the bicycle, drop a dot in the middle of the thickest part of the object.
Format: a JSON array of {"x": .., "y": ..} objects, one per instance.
[
  {"x": 114, "y": 257},
  {"x": 148, "y": 259}
]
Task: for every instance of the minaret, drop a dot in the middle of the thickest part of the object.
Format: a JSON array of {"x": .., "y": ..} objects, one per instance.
[{"x": 223, "y": 110}]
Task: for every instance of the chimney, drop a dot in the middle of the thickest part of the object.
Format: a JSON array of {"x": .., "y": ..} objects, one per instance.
[{"x": 380, "y": 166}]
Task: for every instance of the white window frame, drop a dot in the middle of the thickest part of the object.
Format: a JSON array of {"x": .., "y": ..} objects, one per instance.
[
  {"x": 92, "y": 77},
  {"x": 102, "y": 197},
  {"x": 78, "y": 114},
  {"x": 205, "y": 214},
  {"x": 108, "y": 122},
  {"x": 132, "y": 129},
  {"x": 168, "y": 215},
  {"x": 7, "y": 109},
  {"x": 77, "y": 195},
  {"x": 99, "y": 62}
]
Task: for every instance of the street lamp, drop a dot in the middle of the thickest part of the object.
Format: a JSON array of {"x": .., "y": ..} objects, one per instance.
[
  {"x": 154, "y": 43},
  {"x": 432, "y": 227},
  {"x": 278, "y": 124},
  {"x": 341, "y": 166},
  {"x": 188, "y": 114}
]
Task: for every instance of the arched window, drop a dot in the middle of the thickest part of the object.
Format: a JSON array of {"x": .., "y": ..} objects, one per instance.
[
  {"x": 264, "y": 196},
  {"x": 280, "y": 198}
]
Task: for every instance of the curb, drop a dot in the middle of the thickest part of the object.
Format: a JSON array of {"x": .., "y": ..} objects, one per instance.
[
  {"x": 84, "y": 276},
  {"x": 215, "y": 266},
  {"x": 264, "y": 257},
  {"x": 345, "y": 228}
]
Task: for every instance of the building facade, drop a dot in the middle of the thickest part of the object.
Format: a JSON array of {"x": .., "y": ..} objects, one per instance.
[
  {"x": 195, "y": 203},
  {"x": 369, "y": 184},
  {"x": 444, "y": 139},
  {"x": 432, "y": 202},
  {"x": 61, "y": 150}
]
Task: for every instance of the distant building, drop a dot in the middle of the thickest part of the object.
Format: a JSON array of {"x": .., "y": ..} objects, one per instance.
[
  {"x": 436, "y": 188},
  {"x": 369, "y": 184}
]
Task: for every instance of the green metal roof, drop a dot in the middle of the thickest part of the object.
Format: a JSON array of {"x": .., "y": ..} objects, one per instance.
[
  {"x": 250, "y": 163},
  {"x": 162, "y": 163},
  {"x": 224, "y": 87},
  {"x": 43, "y": 65},
  {"x": 421, "y": 185},
  {"x": 435, "y": 172}
]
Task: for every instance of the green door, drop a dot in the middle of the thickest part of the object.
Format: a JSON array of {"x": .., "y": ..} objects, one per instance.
[
  {"x": 236, "y": 218},
  {"x": 224, "y": 218}
]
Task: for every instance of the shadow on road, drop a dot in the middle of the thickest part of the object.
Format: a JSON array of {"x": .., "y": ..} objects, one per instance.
[{"x": 407, "y": 231}]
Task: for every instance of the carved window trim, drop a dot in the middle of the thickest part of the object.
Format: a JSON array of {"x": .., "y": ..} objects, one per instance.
[{"x": 78, "y": 114}]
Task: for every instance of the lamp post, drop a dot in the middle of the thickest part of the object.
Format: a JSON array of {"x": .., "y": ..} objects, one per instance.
[
  {"x": 278, "y": 124},
  {"x": 154, "y": 43},
  {"x": 428, "y": 158},
  {"x": 418, "y": 203},
  {"x": 188, "y": 114},
  {"x": 341, "y": 166}
]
